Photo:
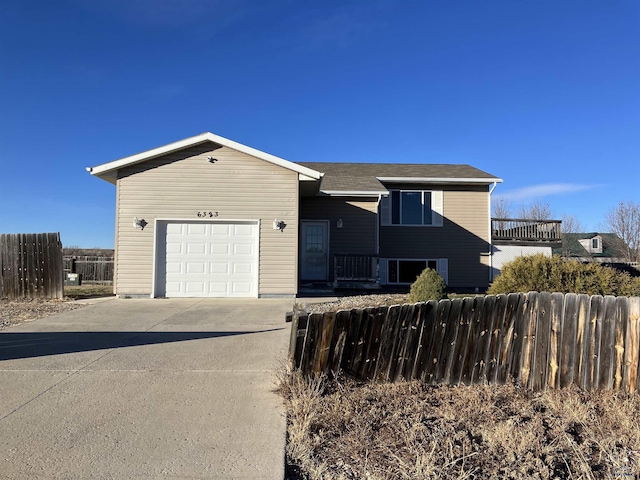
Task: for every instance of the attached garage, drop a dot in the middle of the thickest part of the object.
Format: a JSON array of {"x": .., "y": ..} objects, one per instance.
[{"x": 206, "y": 258}]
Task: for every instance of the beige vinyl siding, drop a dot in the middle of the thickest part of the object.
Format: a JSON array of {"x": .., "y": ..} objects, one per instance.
[
  {"x": 463, "y": 239},
  {"x": 181, "y": 184},
  {"x": 359, "y": 221}
]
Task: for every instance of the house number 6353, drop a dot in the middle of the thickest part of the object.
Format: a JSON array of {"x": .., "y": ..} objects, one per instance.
[{"x": 208, "y": 214}]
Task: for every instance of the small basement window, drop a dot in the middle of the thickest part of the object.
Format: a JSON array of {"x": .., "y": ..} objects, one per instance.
[{"x": 406, "y": 271}]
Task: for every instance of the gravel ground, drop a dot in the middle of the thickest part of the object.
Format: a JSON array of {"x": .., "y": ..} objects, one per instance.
[
  {"x": 356, "y": 301},
  {"x": 15, "y": 312}
]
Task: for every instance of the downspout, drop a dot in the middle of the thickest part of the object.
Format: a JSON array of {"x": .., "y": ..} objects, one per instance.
[
  {"x": 493, "y": 187},
  {"x": 378, "y": 225}
]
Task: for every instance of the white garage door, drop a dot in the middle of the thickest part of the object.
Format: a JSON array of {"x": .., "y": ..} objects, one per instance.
[{"x": 217, "y": 259}]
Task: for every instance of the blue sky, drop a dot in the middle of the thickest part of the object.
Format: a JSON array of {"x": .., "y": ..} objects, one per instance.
[{"x": 544, "y": 94}]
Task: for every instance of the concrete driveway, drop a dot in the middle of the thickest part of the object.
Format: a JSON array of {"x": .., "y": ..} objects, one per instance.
[{"x": 177, "y": 388}]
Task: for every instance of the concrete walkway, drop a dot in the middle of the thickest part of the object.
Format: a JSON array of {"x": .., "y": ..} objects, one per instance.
[{"x": 179, "y": 388}]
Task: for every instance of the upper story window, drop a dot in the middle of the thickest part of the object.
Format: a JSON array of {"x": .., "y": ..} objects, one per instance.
[
  {"x": 412, "y": 207},
  {"x": 595, "y": 244}
]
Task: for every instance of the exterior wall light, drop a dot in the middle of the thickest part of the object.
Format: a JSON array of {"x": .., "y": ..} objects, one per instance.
[
  {"x": 139, "y": 223},
  {"x": 279, "y": 225},
  {"x": 339, "y": 223}
]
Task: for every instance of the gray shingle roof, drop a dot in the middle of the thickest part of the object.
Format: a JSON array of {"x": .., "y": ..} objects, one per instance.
[{"x": 363, "y": 177}]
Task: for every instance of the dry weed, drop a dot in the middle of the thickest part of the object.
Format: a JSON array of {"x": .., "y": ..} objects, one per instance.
[{"x": 347, "y": 430}]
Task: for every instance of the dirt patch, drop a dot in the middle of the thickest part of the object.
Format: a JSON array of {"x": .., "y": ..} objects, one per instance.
[
  {"x": 356, "y": 301},
  {"x": 15, "y": 312},
  {"x": 347, "y": 430}
]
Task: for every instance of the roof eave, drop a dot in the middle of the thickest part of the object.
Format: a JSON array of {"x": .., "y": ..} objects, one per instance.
[
  {"x": 457, "y": 180},
  {"x": 104, "y": 168},
  {"x": 353, "y": 193}
]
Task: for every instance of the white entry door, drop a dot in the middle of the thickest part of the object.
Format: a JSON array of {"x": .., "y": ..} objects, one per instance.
[
  {"x": 314, "y": 257},
  {"x": 216, "y": 259}
]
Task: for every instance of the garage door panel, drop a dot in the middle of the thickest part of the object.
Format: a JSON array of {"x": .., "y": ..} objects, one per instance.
[
  {"x": 195, "y": 268},
  {"x": 219, "y": 289},
  {"x": 222, "y": 268},
  {"x": 220, "y": 249},
  {"x": 175, "y": 267},
  {"x": 242, "y": 269},
  {"x": 241, "y": 288},
  {"x": 197, "y": 229},
  {"x": 243, "y": 231},
  {"x": 211, "y": 259},
  {"x": 195, "y": 287},
  {"x": 196, "y": 248},
  {"x": 220, "y": 229},
  {"x": 174, "y": 247},
  {"x": 242, "y": 249},
  {"x": 174, "y": 228}
]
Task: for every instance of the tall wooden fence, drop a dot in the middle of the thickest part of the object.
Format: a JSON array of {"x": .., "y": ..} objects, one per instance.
[
  {"x": 31, "y": 265},
  {"x": 94, "y": 269},
  {"x": 540, "y": 340}
]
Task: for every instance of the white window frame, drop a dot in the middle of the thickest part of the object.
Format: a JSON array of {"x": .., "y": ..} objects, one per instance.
[
  {"x": 442, "y": 267},
  {"x": 437, "y": 208}
]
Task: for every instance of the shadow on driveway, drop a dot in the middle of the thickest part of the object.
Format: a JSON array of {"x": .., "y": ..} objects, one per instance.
[{"x": 26, "y": 345}]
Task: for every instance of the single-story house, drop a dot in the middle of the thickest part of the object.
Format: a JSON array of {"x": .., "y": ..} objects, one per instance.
[{"x": 207, "y": 216}]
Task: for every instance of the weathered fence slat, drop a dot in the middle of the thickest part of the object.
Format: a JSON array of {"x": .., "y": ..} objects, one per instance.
[
  {"x": 400, "y": 343},
  {"x": 442, "y": 314},
  {"x": 373, "y": 348},
  {"x": 622, "y": 314},
  {"x": 569, "y": 338},
  {"x": 364, "y": 331},
  {"x": 428, "y": 315},
  {"x": 555, "y": 339},
  {"x": 583, "y": 342},
  {"x": 540, "y": 363},
  {"x": 608, "y": 344},
  {"x": 414, "y": 338},
  {"x": 529, "y": 345},
  {"x": 632, "y": 346},
  {"x": 323, "y": 347},
  {"x": 313, "y": 330},
  {"x": 464, "y": 343},
  {"x": 474, "y": 327},
  {"x": 487, "y": 315},
  {"x": 450, "y": 338},
  {"x": 387, "y": 340},
  {"x": 497, "y": 333},
  {"x": 506, "y": 349},
  {"x": 597, "y": 315},
  {"x": 338, "y": 339}
]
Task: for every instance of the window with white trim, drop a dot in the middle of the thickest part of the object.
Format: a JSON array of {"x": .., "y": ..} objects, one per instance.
[
  {"x": 405, "y": 271},
  {"x": 412, "y": 207}
]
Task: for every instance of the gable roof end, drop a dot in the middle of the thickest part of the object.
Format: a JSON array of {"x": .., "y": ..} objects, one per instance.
[{"x": 107, "y": 171}]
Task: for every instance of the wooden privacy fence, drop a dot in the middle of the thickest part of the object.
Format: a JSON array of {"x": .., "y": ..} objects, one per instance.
[
  {"x": 540, "y": 340},
  {"x": 31, "y": 265},
  {"x": 94, "y": 269}
]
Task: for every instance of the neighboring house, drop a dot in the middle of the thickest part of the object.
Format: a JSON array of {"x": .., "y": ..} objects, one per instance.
[
  {"x": 592, "y": 247},
  {"x": 207, "y": 216}
]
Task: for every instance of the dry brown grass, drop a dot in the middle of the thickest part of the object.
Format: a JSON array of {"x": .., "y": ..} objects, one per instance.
[
  {"x": 15, "y": 312},
  {"x": 347, "y": 430}
]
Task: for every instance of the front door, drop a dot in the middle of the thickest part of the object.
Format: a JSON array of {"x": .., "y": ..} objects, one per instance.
[{"x": 314, "y": 257}]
